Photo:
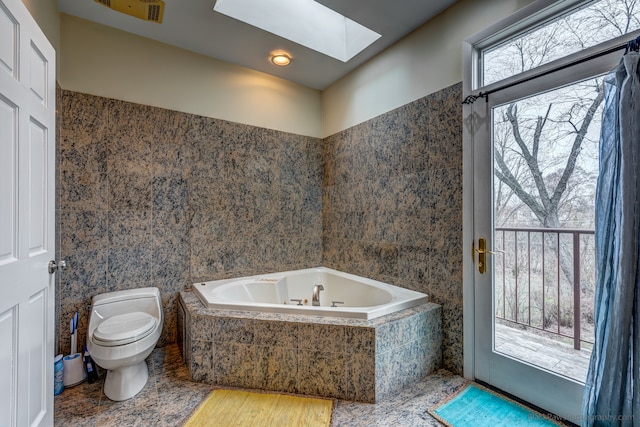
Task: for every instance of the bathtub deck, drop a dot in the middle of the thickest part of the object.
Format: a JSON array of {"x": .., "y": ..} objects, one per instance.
[{"x": 351, "y": 359}]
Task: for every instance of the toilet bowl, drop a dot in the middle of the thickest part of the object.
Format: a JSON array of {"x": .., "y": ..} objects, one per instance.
[{"x": 124, "y": 327}]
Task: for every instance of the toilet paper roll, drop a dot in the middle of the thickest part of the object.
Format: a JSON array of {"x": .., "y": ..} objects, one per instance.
[{"x": 74, "y": 370}]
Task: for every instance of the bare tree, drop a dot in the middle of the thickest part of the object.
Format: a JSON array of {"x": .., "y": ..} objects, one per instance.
[{"x": 545, "y": 202}]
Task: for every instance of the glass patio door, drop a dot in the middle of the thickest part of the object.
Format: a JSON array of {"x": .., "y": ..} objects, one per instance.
[
  {"x": 535, "y": 171},
  {"x": 534, "y": 154}
]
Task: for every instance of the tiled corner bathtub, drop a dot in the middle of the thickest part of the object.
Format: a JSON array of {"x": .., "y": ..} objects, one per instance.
[
  {"x": 338, "y": 294},
  {"x": 345, "y": 358}
]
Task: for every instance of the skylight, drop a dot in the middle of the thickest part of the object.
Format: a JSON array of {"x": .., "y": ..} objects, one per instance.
[{"x": 305, "y": 22}]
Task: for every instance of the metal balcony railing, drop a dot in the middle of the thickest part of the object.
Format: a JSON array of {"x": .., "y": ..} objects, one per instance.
[{"x": 536, "y": 270}]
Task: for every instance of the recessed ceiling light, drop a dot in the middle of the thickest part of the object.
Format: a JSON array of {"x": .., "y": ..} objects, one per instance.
[{"x": 281, "y": 59}]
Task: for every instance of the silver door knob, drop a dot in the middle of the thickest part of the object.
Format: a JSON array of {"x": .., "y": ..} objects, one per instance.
[{"x": 56, "y": 266}]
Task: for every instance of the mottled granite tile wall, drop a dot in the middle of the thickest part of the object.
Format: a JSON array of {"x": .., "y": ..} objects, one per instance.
[
  {"x": 152, "y": 197},
  {"x": 392, "y": 204},
  {"x": 155, "y": 197}
]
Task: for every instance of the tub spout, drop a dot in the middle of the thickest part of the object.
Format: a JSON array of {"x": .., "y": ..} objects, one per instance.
[{"x": 315, "y": 300}]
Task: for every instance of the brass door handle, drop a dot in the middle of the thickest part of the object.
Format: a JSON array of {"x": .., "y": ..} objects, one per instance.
[
  {"x": 484, "y": 251},
  {"x": 482, "y": 254}
]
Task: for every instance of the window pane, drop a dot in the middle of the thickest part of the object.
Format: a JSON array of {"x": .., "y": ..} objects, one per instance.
[
  {"x": 594, "y": 23},
  {"x": 545, "y": 167}
]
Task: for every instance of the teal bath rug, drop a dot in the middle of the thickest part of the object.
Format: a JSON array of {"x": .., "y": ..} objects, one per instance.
[{"x": 476, "y": 406}]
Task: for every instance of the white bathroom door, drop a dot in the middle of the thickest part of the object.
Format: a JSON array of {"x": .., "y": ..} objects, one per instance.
[{"x": 27, "y": 219}]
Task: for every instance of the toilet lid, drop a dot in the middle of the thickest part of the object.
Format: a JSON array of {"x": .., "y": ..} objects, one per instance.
[{"x": 124, "y": 329}]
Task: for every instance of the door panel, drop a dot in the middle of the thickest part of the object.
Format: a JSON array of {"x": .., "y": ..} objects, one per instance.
[
  {"x": 38, "y": 74},
  {"x": 8, "y": 375},
  {"x": 8, "y": 182},
  {"x": 34, "y": 359},
  {"x": 8, "y": 41},
  {"x": 37, "y": 190}
]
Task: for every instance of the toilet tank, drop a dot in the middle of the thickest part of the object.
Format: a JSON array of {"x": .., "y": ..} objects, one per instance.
[{"x": 120, "y": 302}]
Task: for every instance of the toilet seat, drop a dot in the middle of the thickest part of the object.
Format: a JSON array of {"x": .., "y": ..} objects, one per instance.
[{"x": 124, "y": 329}]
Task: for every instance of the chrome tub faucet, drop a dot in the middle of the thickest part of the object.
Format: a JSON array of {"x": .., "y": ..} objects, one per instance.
[{"x": 315, "y": 299}]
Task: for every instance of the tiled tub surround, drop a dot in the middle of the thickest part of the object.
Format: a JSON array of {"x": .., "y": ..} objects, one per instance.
[
  {"x": 153, "y": 197},
  {"x": 351, "y": 359},
  {"x": 392, "y": 204}
]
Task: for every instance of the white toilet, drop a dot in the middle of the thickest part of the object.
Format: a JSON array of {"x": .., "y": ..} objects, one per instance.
[{"x": 124, "y": 327}]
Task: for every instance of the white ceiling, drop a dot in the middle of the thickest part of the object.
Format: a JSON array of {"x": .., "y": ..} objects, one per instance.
[{"x": 193, "y": 25}]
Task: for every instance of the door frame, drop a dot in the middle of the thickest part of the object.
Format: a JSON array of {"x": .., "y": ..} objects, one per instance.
[
  {"x": 472, "y": 127},
  {"x": 502, "y": 29}
]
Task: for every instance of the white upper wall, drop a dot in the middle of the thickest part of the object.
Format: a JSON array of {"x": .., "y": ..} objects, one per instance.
[
  {"x": 103, "y": 61},
  {"x": 427, "y": 60}
]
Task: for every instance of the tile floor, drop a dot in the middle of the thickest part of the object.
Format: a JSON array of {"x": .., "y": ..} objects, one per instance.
[{"x": 170, "y": 397}]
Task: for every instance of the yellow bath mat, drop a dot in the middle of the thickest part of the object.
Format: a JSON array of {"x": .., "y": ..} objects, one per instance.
[{"x": 226, "y": 408}]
